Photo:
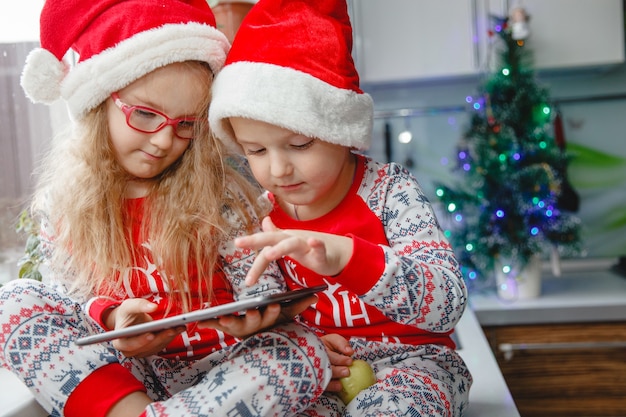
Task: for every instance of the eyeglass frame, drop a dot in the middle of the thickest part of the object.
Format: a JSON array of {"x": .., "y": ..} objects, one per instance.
[{"x": 127, "y": 109}]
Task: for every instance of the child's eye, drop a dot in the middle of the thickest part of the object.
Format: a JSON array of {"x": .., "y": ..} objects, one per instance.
[
  {"x": 304, "y": 145},
  {"x": 258, "y": 151},
  {"x": 143, "y": 113},
  {"x": 186, "y": 124}
]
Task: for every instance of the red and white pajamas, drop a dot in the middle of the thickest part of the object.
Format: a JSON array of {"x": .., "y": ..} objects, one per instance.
[{"x": 397, "y": 300}]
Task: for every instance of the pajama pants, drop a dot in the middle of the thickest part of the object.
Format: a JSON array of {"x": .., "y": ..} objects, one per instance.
[
  {"x": 278, "y": 372},
  {"x": 413, "y": 381}
]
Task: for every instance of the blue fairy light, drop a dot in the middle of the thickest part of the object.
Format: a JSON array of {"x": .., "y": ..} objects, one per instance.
[
  {"x": 500, "y": 213},
  {"x": 534, "y": 231}
]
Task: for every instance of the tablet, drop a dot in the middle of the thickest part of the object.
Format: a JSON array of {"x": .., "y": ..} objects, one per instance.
[{"x": 240, "y": 306}]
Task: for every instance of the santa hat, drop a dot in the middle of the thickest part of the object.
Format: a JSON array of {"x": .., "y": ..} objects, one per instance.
[
  {"x": 290, "y": 65},
  {"x": 117, "y": 42}
]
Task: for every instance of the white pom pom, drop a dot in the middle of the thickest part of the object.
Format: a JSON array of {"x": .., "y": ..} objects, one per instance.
[{"x": 42, "y": 76}]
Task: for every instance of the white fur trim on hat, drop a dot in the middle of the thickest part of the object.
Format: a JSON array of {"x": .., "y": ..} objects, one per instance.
[
  {"x": 291, "y": 99},
  {"x": 92, "y": 81}
]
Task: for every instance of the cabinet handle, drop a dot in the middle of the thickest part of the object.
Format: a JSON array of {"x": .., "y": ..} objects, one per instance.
[{"x": 509, "y": 348}]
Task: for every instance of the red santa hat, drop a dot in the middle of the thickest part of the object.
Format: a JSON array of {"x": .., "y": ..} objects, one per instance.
[
  {"x": 290, "y": 65},
  {"x": 117, "y": 42}
]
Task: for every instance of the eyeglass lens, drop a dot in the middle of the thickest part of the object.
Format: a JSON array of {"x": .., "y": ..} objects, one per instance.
[{"x": 149, "y": 121}]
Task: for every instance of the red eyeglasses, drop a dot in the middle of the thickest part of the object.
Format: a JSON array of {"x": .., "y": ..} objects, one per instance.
[{"x": 147, "y": 120}]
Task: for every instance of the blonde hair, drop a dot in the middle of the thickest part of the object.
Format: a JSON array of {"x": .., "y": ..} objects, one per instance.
[{"x": 80, "y": 195}]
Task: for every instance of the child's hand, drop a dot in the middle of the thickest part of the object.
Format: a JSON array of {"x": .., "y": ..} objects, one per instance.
[
  {"x": 134, "y": 311},
  {"x": 339, "y": 352},
  {"x": 256, "y": 320},
  {"x": 324, "y": 253}
]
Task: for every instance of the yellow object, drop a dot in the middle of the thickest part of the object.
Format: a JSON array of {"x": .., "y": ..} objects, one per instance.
[{"x": 361, "y": 376}]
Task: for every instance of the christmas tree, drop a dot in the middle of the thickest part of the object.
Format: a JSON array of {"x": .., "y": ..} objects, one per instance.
[{"x": 508, "y": 203}]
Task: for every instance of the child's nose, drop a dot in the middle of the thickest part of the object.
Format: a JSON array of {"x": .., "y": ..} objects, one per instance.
[
  {"x": 280, "y": 165},
  {"x": 164, "y": 138}
]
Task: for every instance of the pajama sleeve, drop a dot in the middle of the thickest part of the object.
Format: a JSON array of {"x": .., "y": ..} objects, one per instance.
[{"x": 420, "y": 270}]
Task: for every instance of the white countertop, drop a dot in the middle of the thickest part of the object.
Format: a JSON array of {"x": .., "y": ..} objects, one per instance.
[
  {"x": 15, "y": 399},
  {"x": 576, "y": 296},
  {"x": 489, "y": 394}
]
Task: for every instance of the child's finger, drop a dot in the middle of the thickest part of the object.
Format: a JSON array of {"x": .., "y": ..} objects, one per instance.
[
  {"x": 336, "y": 343},
  {"x": 292, "y": 246},
  {"x": 259, "y": 240},
  {"x": 138, "y": 305},
  {"x": 259, "y": 265}
]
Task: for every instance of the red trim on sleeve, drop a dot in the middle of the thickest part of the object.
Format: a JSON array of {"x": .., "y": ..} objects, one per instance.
[
  {"x": 101, "y": 390},
  {"x": 98, "y": 306},
  {"x": 365, "y": 267}
]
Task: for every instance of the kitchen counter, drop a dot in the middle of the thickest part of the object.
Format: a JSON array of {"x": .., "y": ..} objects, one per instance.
[
  {"x": 489, "y": 395},
  {"x": 579, "y": 295}
]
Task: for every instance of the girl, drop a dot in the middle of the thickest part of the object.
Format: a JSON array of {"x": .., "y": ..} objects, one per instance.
[
  {"x": 289, "y": 99},
  {"x": 139, "y": 212}
]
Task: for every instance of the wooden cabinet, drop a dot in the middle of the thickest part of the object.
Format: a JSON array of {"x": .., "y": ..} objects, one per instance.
[
  {"x": 409, "y": 40},
  {"x": 563, "y": 370}
]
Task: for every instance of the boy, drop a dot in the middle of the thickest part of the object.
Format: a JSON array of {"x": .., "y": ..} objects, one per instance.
[{"x": 289, "y": 99}]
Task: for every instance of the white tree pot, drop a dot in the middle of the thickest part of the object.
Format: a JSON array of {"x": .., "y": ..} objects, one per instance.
[{"x": 516, "y": 284}]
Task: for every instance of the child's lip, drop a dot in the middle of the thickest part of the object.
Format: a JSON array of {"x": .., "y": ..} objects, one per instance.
[
  {"x": 289, "y": 186},
  {"x": 152, "y": 156}
]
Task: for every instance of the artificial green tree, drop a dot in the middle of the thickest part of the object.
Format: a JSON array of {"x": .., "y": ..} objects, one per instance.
[{"x": 510, "y": 174}]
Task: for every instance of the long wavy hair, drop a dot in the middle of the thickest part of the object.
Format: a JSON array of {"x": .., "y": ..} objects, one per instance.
[{"x": 80, "y": 195}]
